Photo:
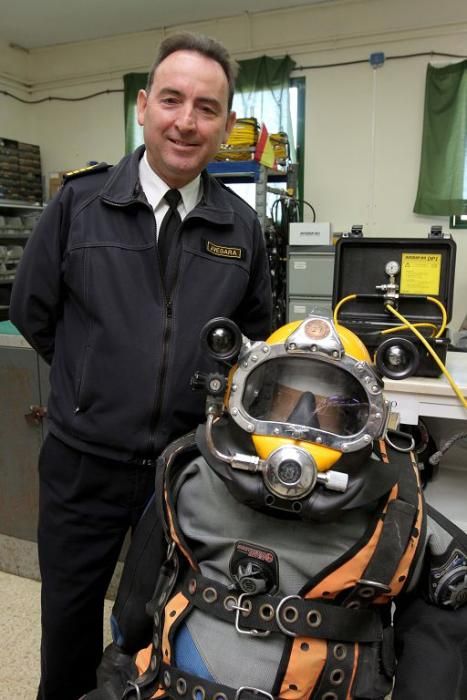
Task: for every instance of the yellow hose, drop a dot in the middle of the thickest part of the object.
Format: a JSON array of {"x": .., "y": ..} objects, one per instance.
[
  {"x": 435, "y": 357},
  {"x": 443, "y": 314},
  {"x": 341, "y": 303},
  {"x": 413, "y": 327},
  {"x": 396, "y": 329}
]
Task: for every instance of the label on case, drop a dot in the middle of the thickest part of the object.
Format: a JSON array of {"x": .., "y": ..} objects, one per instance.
[{"x": 420, "y": 273}]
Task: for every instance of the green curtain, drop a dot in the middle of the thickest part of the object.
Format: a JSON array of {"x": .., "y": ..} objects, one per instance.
[
  {"x": 262, "y": 92},
  {"x": 132, "y": 82},
  {"x": 442, "y": 185}
]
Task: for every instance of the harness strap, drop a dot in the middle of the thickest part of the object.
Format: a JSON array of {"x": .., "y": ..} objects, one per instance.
[
  {"x": 260, "y": 615},
  {"x": 398, "y": 528},
  {"x": 337, "y": 673},
  {"x": 164, "y": 465},
  {"x": 179, "y": 684}
]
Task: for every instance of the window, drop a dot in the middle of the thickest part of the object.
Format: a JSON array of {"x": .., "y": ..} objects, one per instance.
[
  {"x": 459, "y": 221},
  {"x": 132, "y": 83}
]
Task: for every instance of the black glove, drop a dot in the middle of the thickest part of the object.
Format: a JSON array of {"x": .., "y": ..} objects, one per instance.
[{"x": 115, "y": 669}]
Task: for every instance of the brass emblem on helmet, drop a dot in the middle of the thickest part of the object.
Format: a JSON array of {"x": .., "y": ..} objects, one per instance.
[{"x": 317, "y": 329}]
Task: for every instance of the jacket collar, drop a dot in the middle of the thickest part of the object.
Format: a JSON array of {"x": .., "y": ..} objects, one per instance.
[{"x": 123, "y": 188}]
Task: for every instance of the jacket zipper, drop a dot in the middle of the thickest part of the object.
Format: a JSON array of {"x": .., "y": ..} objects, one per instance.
[
  {"x": 156, "y": 414},
  {"x": 77, "y": 408}
]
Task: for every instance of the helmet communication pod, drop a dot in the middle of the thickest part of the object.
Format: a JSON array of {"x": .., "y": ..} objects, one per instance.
[{"x": 222, "y": 339}]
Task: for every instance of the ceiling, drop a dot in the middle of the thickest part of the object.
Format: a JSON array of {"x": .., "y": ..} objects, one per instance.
[{"x": 32, "y": 24}]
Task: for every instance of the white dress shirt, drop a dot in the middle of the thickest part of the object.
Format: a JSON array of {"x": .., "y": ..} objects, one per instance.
[{"x": 154, "y": 188}]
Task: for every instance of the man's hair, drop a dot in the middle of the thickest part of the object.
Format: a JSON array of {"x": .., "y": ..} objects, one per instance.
[{"x": 204, "y": 45}]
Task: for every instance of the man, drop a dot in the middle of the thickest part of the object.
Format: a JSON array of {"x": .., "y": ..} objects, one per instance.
[{"x": 119, "y": 321}]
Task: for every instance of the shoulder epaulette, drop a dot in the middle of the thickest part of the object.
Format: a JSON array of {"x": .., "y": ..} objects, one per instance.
[{"x": 98, "y": 167}]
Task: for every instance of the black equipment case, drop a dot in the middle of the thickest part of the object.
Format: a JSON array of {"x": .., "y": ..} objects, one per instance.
[{"x": 403, "y": 272}]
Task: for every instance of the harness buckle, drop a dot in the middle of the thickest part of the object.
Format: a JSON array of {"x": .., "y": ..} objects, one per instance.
[
  {"x": 253, "y": 632},
  {"x": 255, "y": 691}
]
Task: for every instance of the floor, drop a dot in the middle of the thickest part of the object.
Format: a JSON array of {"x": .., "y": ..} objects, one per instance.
[{"x": 20, "y": 635}]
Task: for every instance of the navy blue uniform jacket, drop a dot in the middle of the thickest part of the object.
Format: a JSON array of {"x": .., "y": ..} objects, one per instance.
[{"x": 89, "y": 297}]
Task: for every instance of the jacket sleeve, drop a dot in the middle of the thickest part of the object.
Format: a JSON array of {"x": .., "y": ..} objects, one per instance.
[
  {"x": 431, "y": 625},
  {"x": 36, "y": 298},
  {"x": 254, "y": 315}
]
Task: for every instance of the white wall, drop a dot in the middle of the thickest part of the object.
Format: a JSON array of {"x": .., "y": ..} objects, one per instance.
[
  {"x": 15, "y": 117},
  {"x": 363, "y": 125},
  {"x": 73, "y": 133}
]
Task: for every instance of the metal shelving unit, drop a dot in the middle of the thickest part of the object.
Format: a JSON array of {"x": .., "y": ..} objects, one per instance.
[
  {"x": 244, "y": 171},
  {"x": 17, "y": 220}
]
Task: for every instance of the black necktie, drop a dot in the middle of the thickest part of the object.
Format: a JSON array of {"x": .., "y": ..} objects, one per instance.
[{"x": 169, "y": 226}]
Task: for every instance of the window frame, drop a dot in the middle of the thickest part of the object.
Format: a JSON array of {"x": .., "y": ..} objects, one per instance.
[
  {"x": 458, "y": 221},
  {"x": 300, "y": 85}
]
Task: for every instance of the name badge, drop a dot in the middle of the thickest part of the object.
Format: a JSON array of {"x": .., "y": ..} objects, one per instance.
[{"x": 224, "y": 251}]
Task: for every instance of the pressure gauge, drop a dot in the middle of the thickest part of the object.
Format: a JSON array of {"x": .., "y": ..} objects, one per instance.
[{"x": 392, "y": 267}]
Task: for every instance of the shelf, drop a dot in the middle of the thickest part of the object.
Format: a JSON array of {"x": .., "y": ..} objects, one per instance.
[
  {"x": 18, "y": 204},
  {"x": 21, "y": 233},
  {"x": 244, "y": 170}
]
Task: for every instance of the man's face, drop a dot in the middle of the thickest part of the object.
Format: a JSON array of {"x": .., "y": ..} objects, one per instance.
[{"x": 184, "y": 116}]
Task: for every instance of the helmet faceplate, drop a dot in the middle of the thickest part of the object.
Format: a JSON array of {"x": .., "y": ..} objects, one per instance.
[{"x": 307, "y": 389}]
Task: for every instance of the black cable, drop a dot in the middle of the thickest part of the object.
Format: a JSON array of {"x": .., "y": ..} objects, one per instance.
[
  {"x": 436, "y": 457},
  {"x": 284, "y": 211},
  {"x": 293, "y": 203},
  {"x": 58, "y": 99},
  {"x": 308, "y": 205},
  {"x": 386, "y": 58},
  {"x": 277, "y": 240},
  {"x": 332, "y": 65},
  {"x": 424, "y": 53}
]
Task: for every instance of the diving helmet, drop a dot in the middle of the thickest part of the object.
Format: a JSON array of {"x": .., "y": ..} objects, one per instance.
[{"x": 307, "y": 397}]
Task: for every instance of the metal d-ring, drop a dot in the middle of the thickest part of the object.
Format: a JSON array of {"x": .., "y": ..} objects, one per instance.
[
  {"x": 252, "y": 691},
  {"x": 282, "y": 628},
  {"x": 135, "y": 687}
]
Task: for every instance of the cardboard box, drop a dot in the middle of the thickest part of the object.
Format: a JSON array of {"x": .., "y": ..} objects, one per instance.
[{"x": 55, "y": 181}]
